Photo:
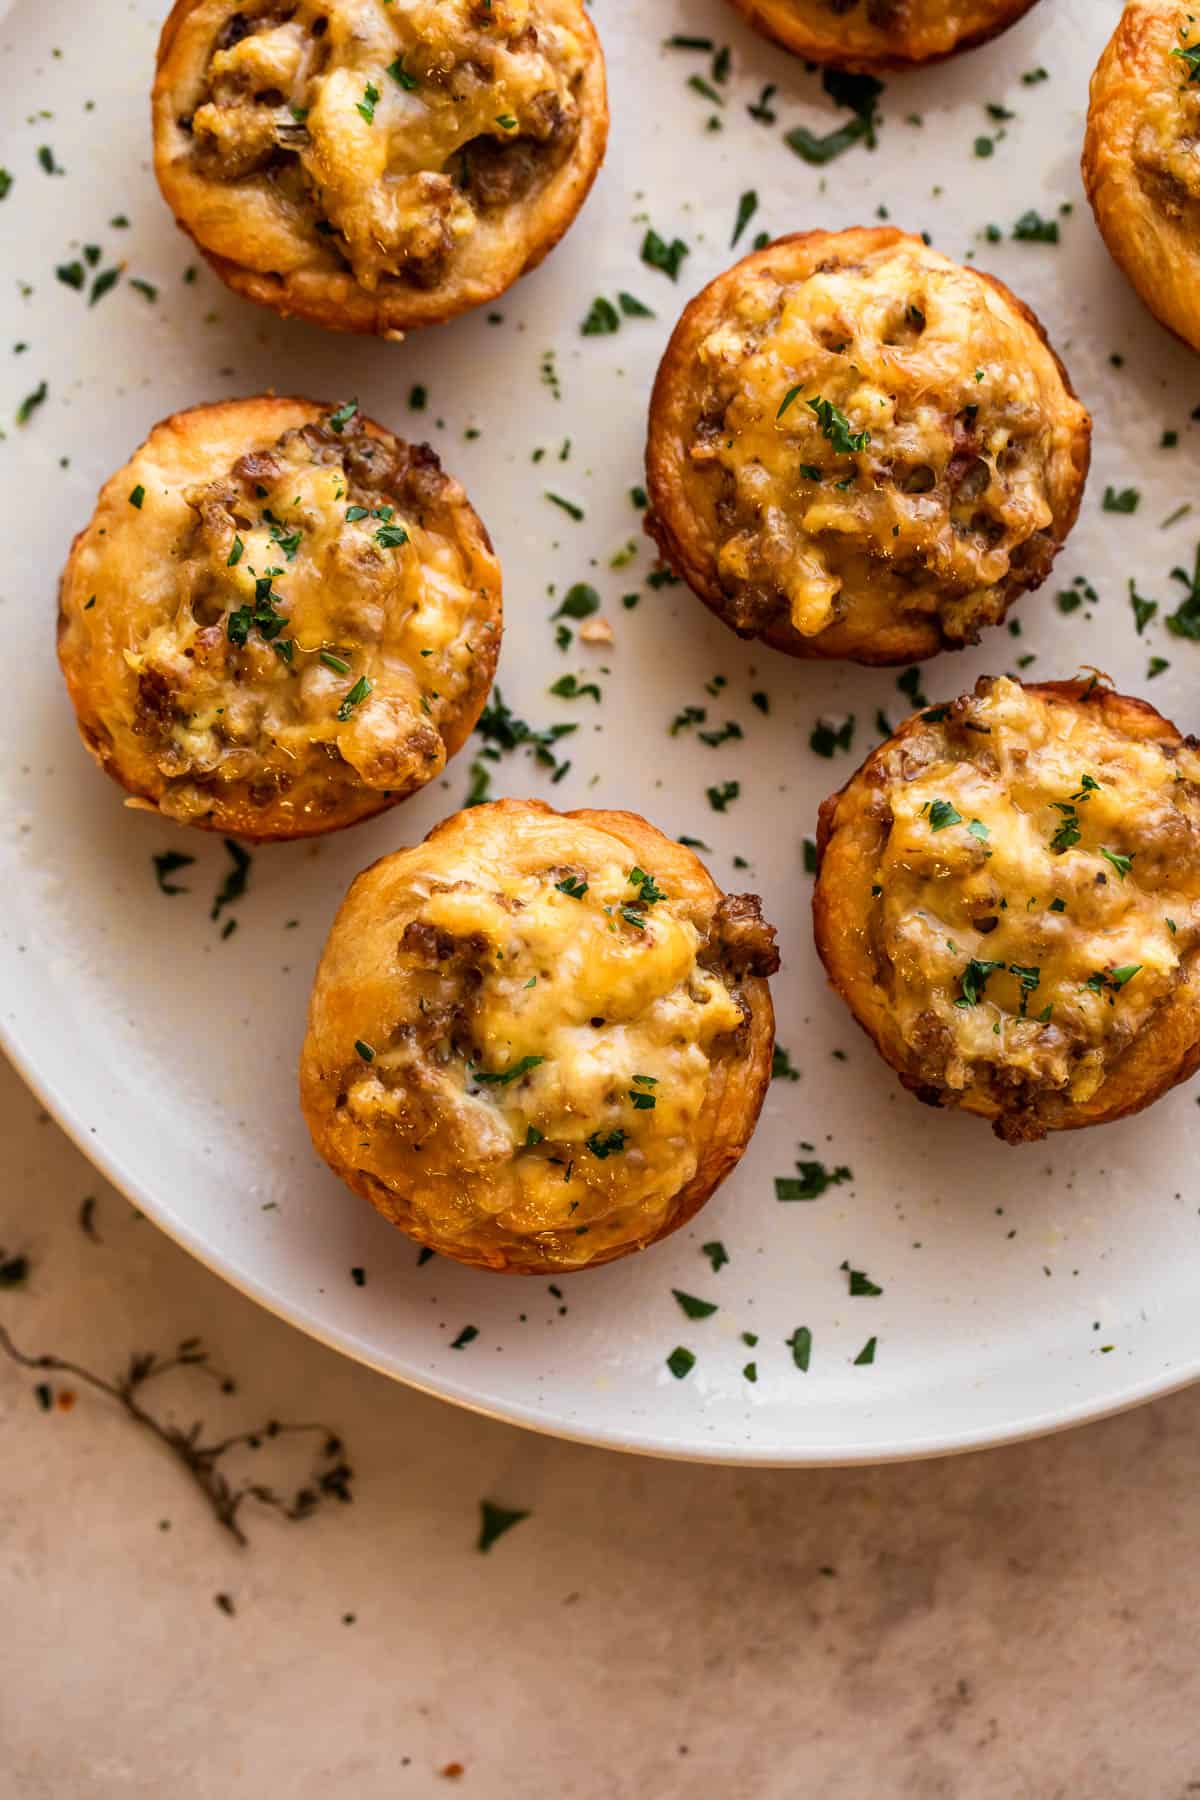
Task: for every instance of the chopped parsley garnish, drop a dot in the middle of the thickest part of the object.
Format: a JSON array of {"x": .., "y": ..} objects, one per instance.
[
  {"x": 166, "y": 863},
  {"x": 632, "y": 307},
  {"x": 812, "y": 1181},
  {"x": 339, "y": 420},
  {"x": 716, "y": 1253},
  {"x": 568, "y": 506},
  {"x": 31, "y": 402},
  {"x": 781, "y": 1065},
  {"x": 103, "y": 284},
  {"x": 792, "y": 394},
  {"x": 137, "y": 497},
  {"x": 603, "y": 1144},
  {"x": 390, "y": 537},
  {"x": 574, "y": 886},
  {"x": 370, "y": 100},
  {"x": 1068, "y": 833},
  {"x": 495, "y": 1520},
  {"x": 1185, "y": 620},
  {"x": 1031, "y": 228},
  {"x": 1143, "y": 609},
  {"x": 658, "y": 254},
  {"x": 694, "y": 1308},
  {"x": 336, "y": 663},
  {"x": 533, "y": 1136},
  {"x": 720, "y": 798},
  {"x": 364, "y": 1051},
  {"x": 641, "y": 1101},
  {"x": 647, "y": 886},
  {"x": 1113, "y": 980},
  {"x": 1029, "y": 978},
  {"x": 236, "y": 878},
  {"x": 260, "y": 616},
  {"x": 400, "y": 74},
  {"x": 858, "y": 92},
  {"x": 836, "y": 427},
  {"x": 825, "y": 738},
  {"x": 747, "y": 207},
  {"x": 800, "y": 1345},
  {"x": 1189, "y": 54},
  {"x": 761, "y": 109},
  {"x": 355, "y": 697},
  {"x": 942, "y": 815},
  {"x": 503, "y": 731},
  {"x": 1122, "y": 500},
  {"x": 974, "y": 981},
  {"x": 504, "y": 1076},
  {"x": 466, "y": 1336},
  {"x": 1122, "y": 864},
  {"x": 867, "y": 1354},
  {"x": 681, "y": 1362},
  {"x": 579, "y": 602},
  {"x": 569, "y": 687},
  {"x": 602, "y": 319}
]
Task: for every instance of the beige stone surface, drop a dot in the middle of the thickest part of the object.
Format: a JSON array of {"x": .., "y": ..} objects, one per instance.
[{"x": 1017, "y": 1624}]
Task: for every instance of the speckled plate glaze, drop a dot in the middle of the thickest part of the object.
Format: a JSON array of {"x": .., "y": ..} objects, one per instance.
[{"x": 1022, "y": 1289}]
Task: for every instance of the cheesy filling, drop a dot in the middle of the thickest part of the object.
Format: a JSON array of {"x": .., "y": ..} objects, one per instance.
[
  {"x": 1165, "y": 146},
  {"x": 1037, "y": 893},
  {"x": 385, "y": 129},
  {"x": 550, "y": 1036},
  {"x": 313, "y": 633},
  {"x": 886, "y": 434}
]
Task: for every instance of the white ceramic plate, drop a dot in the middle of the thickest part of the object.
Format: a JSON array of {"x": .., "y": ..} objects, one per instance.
[{"x": 1023, "y": 1289}]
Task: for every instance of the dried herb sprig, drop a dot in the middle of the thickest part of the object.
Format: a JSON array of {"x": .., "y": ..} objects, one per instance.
[{"x": 330, "y": 1479}]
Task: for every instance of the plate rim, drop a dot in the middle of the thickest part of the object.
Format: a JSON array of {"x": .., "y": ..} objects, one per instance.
[{"x": 109, "y": 1163}]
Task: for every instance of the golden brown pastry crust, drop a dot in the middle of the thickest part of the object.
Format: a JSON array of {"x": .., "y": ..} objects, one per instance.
[
  {"x": 1139, "y": 158},
  {"x": 538, "y": 1041},
  {"x": 883, "y": 551},
  {"x": 377, "y": 215},
  {"x": 279, "y": 620},
  {"x": 881, "y": 34},
  {"x": 1008, "y": 899}
]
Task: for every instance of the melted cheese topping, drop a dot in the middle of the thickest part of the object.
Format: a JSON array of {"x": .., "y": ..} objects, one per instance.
[
  {"x": 1036, "y": 895},
  {"x": 1168, "y": 122},
  {"x": 910, "y": 29},
  {"x": 295, "y": 633},
  {"x": 379, "y": 133},
  {"x": 542, "y": 1058},
  {"x": 893, "y": 439}
]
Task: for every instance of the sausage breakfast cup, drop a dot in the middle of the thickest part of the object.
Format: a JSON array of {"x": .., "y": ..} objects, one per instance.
[
  {"x": 1139, "y": 158},
  {"x": 858, "y": 448},
  {"x": 1008, "y": 899},
  {"x": 881, "y": 34},
  {"x": 373, "y": 165},
  {"x": 538, "y": 1041},
  {"x": 280, "y": 620}
]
